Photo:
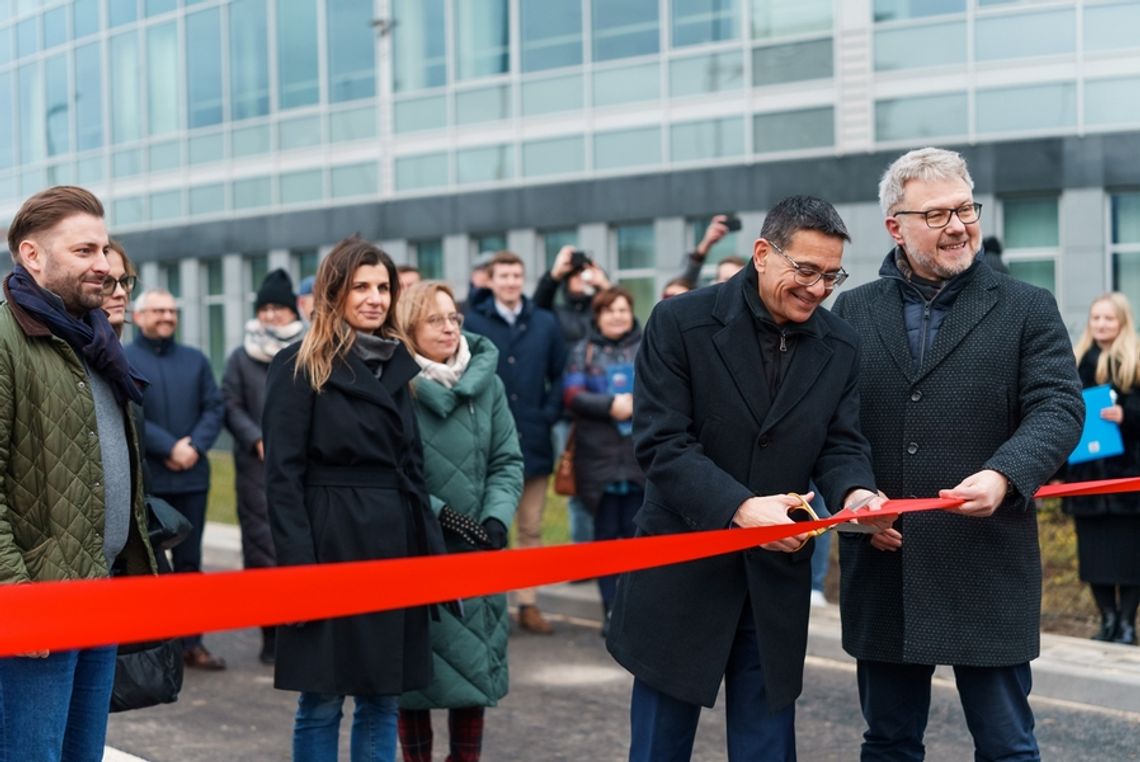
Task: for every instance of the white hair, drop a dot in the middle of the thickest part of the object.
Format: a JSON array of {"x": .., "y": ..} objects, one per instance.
[
  {"x": 926, "y": 164},
  {"x": 145, "y": 296}
]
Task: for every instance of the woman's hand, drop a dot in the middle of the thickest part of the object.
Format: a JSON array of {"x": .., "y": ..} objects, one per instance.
[
  {"x": 621, "y": 409},
  {"x": 1114, "y": 414}
]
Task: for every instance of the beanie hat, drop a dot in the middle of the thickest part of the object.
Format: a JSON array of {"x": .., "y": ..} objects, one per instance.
[{"x": 277, "y": 288}]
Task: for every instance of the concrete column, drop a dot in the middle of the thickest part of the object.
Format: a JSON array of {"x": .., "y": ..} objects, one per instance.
[
  {"x": 1084, "y": 271},
  {"x": 397, "y": 249},
  {"x": 191, "y": 319},
  {"x": 457, "y": 263},
  {"x": 525, "y": 244},
  {"x": 235, "y": 307},
  {"x": 594, "y": 238}
]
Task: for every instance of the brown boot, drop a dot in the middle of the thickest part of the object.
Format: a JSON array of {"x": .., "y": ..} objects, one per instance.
[{"x": 532, "y": 620}]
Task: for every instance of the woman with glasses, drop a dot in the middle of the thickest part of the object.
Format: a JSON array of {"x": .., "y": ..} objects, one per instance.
[
  {"x": 1108, "y": 526},
  {"x": 277, "y": 325},
  {"x": 344, "y": 482},
  {"x": 597, "y": 389},
  {"x": 474, "y": 471},
  {"x": 117, "y": 286}
]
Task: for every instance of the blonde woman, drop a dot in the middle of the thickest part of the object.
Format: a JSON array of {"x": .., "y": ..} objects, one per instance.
[
  {"x": 474, "y": 471},
  {"x": 344, "y": 482},
  {"x": 1108, "y": 526}
]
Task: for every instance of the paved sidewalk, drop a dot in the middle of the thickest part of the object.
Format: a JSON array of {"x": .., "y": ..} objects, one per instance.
[{"x": 1069, "y": 669}]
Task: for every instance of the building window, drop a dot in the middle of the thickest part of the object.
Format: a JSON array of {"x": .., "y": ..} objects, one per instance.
[
  {"x": 1031, "y": 238},
  {"x": 488, "y": 242},
  {"x": 255, "y": 267},
  {"x": 624, "y": 29},
  {"x": 298, "y": 71},
  {"x": 428, "y": 256},
  {"x": 169, "y": 278},
  {"x": 551, "y": 34},
  {"x": 1027, "y": 107},
  {"x": 637, "y": 265},
  {"x": 203, "y": 68},
  {"x": 352, "y": 50},
  {"x": 1125, "y": 243},
  {"x": 214, "y": 312},
  {"x": 700, "y": 21},
  {"x": 482, "y": 38},
  {"x": 793, "y": 130},
  {"x": 895, "y": 10},
  {"x": 249, "y": 59},
  {"x": 922, "y": 116},
  {"x": 419, "y": 48},
  {"x": 304, "y": 264},
  {"x": 554, "y": 240}
]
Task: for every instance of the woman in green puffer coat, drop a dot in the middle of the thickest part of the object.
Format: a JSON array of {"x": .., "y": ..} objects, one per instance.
[{"x": 474, "y": 471}]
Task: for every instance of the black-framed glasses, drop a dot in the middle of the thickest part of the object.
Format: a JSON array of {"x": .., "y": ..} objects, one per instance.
[
  {"x": 127, "y": 282},
  {"x": 968, "y": 214},
  {"x": 806, "y": 275}
]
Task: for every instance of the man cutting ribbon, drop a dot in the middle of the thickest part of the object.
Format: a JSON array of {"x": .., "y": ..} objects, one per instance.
[
  {"x": 748, "y": 392},
  {"x": 970, "y": 392}
]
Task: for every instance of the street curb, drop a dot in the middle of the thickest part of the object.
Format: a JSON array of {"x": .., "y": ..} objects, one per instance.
[{"x": 1069, "y": 669}]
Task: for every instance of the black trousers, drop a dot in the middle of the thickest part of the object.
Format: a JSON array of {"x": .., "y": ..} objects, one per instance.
[{"x": 187, "y": 555}]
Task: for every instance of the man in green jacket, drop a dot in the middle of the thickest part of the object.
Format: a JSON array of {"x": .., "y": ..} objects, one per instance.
[{"x": 72, "y": 503}]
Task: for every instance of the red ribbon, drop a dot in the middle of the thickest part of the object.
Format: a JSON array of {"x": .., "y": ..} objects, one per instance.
[{"x": 82, "y": 614}]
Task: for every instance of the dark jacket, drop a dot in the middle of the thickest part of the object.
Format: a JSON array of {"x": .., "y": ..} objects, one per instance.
[
  {"x": 603, "y": 452},
  {"x": 1127, "y": 464},
  {"x": 531, "y": 358},
  {"x": 473, "y": 465},
  {"x": 182, "y": 400},
  {"x": 709, "y": 437},
  {"x": 997, "y": 390},
  {"x": 243, "y": 389},
  {"x": 574, "y": 313},
  {"x": 345, "y": 482}
]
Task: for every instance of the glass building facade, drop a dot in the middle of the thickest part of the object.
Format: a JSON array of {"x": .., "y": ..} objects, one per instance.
[{"x": 220, "y": 131}]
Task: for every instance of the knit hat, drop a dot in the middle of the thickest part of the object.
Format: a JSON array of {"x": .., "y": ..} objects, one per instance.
[{"x": 277, "y": 288}]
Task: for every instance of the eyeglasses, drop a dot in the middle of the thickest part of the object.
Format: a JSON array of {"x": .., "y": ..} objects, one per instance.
[
  {"x": 968, "y": 214},
  {"x": 127, "y": 282},
  {"x": 437, "y": 321},
  {"x": 809, "y": 276}
]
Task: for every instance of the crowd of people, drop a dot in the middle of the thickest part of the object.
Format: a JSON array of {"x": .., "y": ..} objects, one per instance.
[{"x": 376, "y": 416}]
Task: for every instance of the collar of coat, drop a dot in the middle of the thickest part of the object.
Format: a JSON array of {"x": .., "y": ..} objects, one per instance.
[
  {"x": 155, "y": 346},
  {"x": 741, "y": 295},
  {"x": 352, "y": 377},
  {"x": 479, "y": 375},
  {"x": 28, "y": 324}
]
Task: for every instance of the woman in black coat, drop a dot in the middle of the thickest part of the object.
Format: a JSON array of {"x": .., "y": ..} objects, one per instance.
[
  {"x": 1108, "y": 526},
  {"x": 276, "y": 326},
  {"x": 344, "y": 482}
]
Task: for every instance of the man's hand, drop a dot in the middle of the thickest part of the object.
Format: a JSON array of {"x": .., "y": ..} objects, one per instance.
[
  {"x": 183, "y": 454},
  {"x": 34, "y": 655},
  {"x": 713, "y": 233},
  {"x": 260, "y": 449},
  {"x": 771, "y": 510},
  {"x": 596, "y": 277},
  {"x": 888, "y": 539},
  {"x": 621, "y": 409},
  {"x": 867, "y": 503},
  {"x": 983, "y": 493},
  {"x": 561, "y": 267}
]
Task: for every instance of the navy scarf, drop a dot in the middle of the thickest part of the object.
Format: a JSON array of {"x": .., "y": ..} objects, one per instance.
[{"x": 91, "y": 335}]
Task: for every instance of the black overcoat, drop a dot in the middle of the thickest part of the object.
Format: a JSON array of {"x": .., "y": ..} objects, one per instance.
[
  {"x": 243, "y": 389},
  {"x": 344, "y": 481},
  {"x": 709, "y": 439},
  {"x": 997, "y": 389}
]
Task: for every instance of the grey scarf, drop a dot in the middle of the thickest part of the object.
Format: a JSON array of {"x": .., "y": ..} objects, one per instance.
[{"x": 374, "y": 350}]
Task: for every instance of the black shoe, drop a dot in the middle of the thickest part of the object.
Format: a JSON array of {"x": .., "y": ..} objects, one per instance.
[
  {"x": 1109, "y": 627},
  {"x": 1127, "y": 634}
]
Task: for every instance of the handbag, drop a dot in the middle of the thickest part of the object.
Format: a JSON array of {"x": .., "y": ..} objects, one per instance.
[
  {"x": 150, "y": 673},
  {"x": 564, "y": 480}
]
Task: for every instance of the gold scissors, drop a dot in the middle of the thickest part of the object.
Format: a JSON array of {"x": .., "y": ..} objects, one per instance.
[{"x": 805, "y": 507}]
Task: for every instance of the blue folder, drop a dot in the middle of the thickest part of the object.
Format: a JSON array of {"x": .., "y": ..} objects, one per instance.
[{"x": 1099, "y": 438}]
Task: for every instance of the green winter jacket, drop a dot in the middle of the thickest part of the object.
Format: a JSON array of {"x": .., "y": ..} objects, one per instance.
[
  {"x": 51, "y": 504},
  {"x": 474, "y": 465}
]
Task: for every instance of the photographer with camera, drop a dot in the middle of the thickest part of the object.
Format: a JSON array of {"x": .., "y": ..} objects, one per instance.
[
  {"x": 719, "y": 226},
  {"x": 580, "y": 279}
]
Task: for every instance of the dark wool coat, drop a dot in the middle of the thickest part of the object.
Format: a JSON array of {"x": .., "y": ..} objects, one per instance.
[
  {"x": 243, "y": 389},
  {"x": 531, "y": 357},
  {"x": 345, "y": 482},
  {"x": 473, "y": 465},
  {"x": 997, "y": 389},
  {"x": 183, "y": 399},
  {"x": 602, "y": 454},
  {"x": 709, "y": 439},
  {"x": 1119, "y": 466}
]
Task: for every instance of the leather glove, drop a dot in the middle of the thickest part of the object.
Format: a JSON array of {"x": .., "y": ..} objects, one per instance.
[
  {"x": 496, "y": 534},
  {"x": 463, "y": 527}
]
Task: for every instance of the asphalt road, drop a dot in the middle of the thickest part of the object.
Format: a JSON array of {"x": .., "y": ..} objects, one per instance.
[{"x": 569, "y": 701}]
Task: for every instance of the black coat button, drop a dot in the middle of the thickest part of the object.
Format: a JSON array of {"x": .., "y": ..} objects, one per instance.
[{"x": 763, "y": 441}]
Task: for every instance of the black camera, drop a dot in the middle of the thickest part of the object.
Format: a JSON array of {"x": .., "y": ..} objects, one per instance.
[
  {"x": 732, "y": 222},
  {"x": 579, "y": 260}
]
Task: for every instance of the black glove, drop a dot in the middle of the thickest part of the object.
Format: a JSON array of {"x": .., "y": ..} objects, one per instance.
[
  {"x": 496, "y": 534},
  {"x": 463, "y": 527}
]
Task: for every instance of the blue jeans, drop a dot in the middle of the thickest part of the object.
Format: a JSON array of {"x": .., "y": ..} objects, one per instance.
[
  {"x": 896, "y": 701},
  {"x": 56, "y": 708},
  {"x": 663, "y": 728},
  {"x": 821, "y": 556},
  {"x": 316, "y": 729}
]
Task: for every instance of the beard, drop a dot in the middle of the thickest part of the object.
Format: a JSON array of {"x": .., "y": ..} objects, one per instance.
[
  {"x": 77, "y": 295},
  {"x": 944, "y": 270}
]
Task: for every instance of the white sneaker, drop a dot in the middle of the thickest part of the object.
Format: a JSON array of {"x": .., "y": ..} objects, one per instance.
[{"x": 817, "y": 600}]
